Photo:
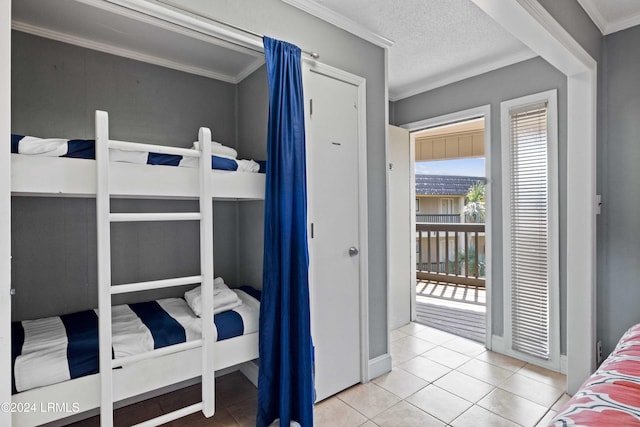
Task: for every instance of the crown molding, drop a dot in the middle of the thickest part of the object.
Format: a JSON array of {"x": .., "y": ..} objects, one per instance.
[
  {"x": 595, "y": 15},
  {"x": 340, "y": 21},
  {"x": 622, "y": 24},
  {"x": 444, "y": 79},
  {"x": 605, "y": 26}
]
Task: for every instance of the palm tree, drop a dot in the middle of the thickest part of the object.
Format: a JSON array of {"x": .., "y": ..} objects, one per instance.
[{"x": 474, "y": 208}]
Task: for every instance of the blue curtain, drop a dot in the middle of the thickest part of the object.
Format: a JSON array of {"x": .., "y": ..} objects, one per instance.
[{"x": 285, "y": 381}]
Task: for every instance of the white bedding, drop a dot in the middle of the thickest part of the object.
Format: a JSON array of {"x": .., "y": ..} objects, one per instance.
[{"x": 44, "y": 358}]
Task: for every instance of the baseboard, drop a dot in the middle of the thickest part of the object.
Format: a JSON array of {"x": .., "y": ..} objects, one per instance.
[
  {"x": 379, "y": 366},
  {"x": 250, "y": 370},
  {"x": 498, "y": 344}
]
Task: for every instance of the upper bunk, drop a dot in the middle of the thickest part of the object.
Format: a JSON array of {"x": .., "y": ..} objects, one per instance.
[
  {"x": 61, "y": 176},
  {"x": 148, "y": 31},
  {"x": 136, "y": 170}
]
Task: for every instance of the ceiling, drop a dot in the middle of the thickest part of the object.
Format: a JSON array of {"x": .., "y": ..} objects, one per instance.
[
  {"x": 436, "y": 42},
  {"x": 431, "y": 43}
]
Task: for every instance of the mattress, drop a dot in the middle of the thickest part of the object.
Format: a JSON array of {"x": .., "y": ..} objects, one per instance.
[
  {"x": 55, "y": 349},
  {"x": 611, "y": 396},
  {"x": 85, "y": 149}
]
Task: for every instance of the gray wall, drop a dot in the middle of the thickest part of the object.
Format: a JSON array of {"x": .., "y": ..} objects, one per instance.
[
  {"x": 521, "y": 79},
  {"x": 619, "y": 289},
  {"x": 253, "y": 114},
  {"x": 345, "y": 51},
  {"x": 575, "y": 20},
  {"x": 55, "y": 89}
]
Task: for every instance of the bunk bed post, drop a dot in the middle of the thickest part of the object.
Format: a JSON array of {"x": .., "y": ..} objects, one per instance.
[
  {"x": 103, "y": 225},
  {"x": 206, "y": 267}
]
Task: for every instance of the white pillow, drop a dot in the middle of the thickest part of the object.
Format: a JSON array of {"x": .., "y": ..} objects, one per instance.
[{"x": 219, "y": 149}]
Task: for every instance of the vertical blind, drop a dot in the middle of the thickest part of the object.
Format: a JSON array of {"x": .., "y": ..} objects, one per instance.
[{"x": 529, "y": 221}]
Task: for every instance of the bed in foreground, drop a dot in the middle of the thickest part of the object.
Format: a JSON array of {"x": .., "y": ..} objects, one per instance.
[{"x": 611, "y": 396}]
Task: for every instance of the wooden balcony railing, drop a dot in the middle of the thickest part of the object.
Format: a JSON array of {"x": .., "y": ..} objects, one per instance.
[{"x": 451, "y": 253}]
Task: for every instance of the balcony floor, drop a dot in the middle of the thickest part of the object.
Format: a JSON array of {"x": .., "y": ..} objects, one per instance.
[{"x": 457, "y": 309}]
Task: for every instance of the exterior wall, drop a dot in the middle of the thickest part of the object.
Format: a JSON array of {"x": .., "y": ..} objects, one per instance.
[{"x": 433, "y": 204}]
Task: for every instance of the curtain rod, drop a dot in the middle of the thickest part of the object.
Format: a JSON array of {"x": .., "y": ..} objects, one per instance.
[{"x": 314, "y": 55}]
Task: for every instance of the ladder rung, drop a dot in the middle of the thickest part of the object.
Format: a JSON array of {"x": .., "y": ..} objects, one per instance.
[
  {"x": 160, "y": 149},
  {"x": 155, "y": 284},
  {"x": 171, "y": 216},
  {"x": 122, "y": 361},
  {"x": 171, "y": 416}
]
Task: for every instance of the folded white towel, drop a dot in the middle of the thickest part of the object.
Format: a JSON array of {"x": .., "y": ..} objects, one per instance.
[{"x": 219, "y": 149}]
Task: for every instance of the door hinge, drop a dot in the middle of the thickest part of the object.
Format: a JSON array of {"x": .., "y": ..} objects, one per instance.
[
  {"x": 312, "y": 230},
  {"x": 310, "y": 107}
]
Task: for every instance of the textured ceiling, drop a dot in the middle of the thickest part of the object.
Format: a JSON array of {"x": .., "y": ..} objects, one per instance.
[{"x": 436, "y": 42}]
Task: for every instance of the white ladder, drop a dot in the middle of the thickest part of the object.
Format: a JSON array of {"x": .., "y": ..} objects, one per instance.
[{"x": 106, "y": 290}]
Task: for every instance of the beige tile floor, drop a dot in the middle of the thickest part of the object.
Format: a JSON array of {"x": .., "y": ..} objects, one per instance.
[{"x": 437, "y": 379}]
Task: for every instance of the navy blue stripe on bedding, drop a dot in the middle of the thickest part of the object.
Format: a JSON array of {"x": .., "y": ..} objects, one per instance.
[
  {"x": 17, "y": 341},
  {"x": 81, "y": 149},
  {"x": 163, "y": 159},
  {"x": 15, "y": 140},
  {"x": 165, "y": 329},
  {"x": 223, "y": 163},
  {"x": 229, "y": 324},
  {"x": 82, "y": 347},
  {"x": 251, "y": 291},
  {"x": 263, "y": 166}
]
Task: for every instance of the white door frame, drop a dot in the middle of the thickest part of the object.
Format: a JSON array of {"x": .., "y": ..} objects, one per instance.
[
  {"x": 471, "y": 113},
  {"x": 310, "y": 65},
  {"x": 530, "y": 22}
]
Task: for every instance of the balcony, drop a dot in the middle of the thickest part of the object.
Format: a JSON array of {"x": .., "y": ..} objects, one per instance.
[
  {"x": 450, "y": 290},
  {"x": 451, "y": 253}
]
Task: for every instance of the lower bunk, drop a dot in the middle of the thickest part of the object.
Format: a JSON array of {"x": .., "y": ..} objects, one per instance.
[{"x": 55, "y": 360}]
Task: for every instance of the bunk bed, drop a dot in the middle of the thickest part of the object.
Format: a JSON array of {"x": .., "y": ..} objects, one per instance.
[
  {"x": 203, "y": 350},
  {"x": 35, "y": 175}
]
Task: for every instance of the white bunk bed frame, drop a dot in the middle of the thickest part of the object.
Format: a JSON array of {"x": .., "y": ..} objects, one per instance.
[{"x": 163, "y": 367}]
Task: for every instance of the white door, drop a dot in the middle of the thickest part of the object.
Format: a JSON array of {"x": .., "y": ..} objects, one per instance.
[
  {"x": 401, "y": 274},
  {"x": 332, "y": 177}
]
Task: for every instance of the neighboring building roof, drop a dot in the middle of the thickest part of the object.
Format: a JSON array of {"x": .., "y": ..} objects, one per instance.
[{"x": 449, "y": 185}]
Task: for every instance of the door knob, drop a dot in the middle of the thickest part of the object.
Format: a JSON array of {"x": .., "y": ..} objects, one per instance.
[{"x": 353, "y": 251}]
